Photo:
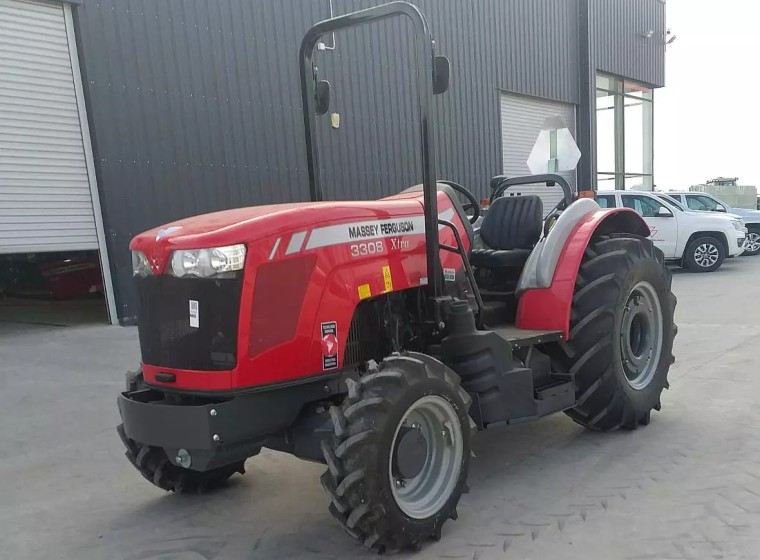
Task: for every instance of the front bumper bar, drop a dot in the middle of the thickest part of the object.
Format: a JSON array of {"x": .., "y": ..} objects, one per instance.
[{"x": 221, "y": 431}]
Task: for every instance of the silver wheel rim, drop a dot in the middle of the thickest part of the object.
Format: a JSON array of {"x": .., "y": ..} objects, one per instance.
[
  {"x": 753, "y": 242},
  {"x": 641, "y": 335},
  {"x": 706, "y": 255},
  {"x": 425, "y": 494}
]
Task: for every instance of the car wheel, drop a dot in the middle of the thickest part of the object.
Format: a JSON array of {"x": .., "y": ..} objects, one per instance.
[
  {"x": 752, "y": 244},
  {"x": 704, "y": 254}
]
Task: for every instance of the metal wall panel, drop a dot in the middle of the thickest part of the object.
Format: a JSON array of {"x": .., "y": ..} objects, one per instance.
[
  {"x": 194, "y": 105},
  {"x": 521, "y": 120},
  {"x": 618, "y": 43},
  {"x": 45, "y": 198}
]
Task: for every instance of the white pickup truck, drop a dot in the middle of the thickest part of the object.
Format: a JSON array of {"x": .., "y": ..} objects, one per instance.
[
  {"x": 707, "y": 202},
  {"x": 699, "y": 241}
]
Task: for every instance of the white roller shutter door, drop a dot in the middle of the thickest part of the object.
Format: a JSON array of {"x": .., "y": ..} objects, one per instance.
[
  {"x": 45, "y": 194},
  {"x": 521, "y": 121}
]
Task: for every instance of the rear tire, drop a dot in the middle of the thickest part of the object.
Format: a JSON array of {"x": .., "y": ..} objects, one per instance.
[
  {"x": 704, "y": 254},
  {"x": 621, "y": 333},
  {"x": 409, "y": 396}
]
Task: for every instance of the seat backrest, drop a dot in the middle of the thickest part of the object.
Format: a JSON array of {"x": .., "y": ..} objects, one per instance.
[{"x": 513, "y": 222}]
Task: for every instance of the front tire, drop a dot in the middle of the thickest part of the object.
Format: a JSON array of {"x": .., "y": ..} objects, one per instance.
[
  {"x": 398, "y": 461},
  {"x": 704, "y": 254},
  {"x": 155, "y": 467},
  {"x": 752, "y": 245},
  {"x": 621, "y": 333}
]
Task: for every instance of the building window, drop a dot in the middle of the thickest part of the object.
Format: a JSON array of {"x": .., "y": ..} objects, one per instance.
[{"x": 624, "y": 151}]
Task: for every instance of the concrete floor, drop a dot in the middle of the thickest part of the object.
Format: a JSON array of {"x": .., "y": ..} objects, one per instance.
[
  {"x": 687, "y": 486},
  {"x": 22, "y": 315}
]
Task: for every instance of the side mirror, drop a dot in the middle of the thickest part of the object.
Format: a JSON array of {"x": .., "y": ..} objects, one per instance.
[
  {"x": 322, "y": 97},
  {"x": 440, "y": 74},
  {"x": 663, "y": 212}
]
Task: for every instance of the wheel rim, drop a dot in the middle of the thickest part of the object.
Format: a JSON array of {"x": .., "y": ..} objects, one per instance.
[
  {"x": 423, "y": 495},
  {"x": 753, "y": 242},
  {"x": 706, "y": 255},
  {"x": 641, "y": 335}
]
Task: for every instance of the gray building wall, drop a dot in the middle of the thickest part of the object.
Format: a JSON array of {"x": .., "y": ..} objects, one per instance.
[
  {"x": 194, "y": 106},
  {"x": 612, "y": 41},
  {"x": 617, "y": 40}
]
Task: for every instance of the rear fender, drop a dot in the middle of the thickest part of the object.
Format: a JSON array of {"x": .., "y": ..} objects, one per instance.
[{"x": 548, "y": 281}]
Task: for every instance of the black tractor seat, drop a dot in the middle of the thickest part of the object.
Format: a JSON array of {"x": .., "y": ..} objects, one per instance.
[
  {"x": 495, "y": 258},
  {"x": 510, "y": 230}
]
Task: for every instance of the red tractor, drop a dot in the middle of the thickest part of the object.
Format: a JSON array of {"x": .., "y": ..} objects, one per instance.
[{"x": 376, "y": 337}]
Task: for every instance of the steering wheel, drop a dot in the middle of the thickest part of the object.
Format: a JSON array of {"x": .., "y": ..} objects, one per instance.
[{"x": 472, "y": 202}]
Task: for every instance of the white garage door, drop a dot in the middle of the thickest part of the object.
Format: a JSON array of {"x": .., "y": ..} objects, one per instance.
[
  {"x": 521, "y": 121},
  {"x": 46, "y": 200}
]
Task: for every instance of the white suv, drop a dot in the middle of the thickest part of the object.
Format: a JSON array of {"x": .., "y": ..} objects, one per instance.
[{"x": 698, "y": 241}]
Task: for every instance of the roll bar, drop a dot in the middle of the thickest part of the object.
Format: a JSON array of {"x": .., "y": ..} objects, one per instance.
[
  {"x": 500, "y": 184},
  {"x": 429, "y": 67}
]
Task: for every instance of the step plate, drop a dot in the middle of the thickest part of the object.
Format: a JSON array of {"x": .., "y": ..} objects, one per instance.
[
  {"x": 523, "y": 337},
  {"x": 555, "y": 397}
]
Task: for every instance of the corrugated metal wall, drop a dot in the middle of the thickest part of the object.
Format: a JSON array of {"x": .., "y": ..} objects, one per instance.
[
  {"x": 618, "y": 44},
  {"x": 195, "y": 105},
  {"x": 525, "y": 46}
]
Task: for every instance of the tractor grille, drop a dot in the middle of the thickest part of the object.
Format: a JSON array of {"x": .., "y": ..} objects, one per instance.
[
  {"x": 364, "y": 340},
  {"x": 177, "y": 332}
]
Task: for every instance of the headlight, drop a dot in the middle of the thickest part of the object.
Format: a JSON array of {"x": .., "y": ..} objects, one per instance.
[
  {"x": 140, "y": 264},
  {"x": 207, "y": 262},
  {"x": 738, "y": 225}
]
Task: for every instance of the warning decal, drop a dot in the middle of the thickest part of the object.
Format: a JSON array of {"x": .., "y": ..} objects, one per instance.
[
  {"x": 364, "y": 291},
  {"x": 387, "y": 278},
  {"x": 329, "y": 345},
  {"x": 449, "y": 274}
]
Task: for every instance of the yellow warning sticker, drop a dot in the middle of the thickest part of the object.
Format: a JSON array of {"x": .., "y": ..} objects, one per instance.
[
  {"x": 387, "y": 278},
  {"x": 364, "y": 291}
]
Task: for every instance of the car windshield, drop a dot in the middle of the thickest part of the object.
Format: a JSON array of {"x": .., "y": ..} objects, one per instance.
[
  {"x": 703, "y": 202},
  {"x": 671, "y": 201}
]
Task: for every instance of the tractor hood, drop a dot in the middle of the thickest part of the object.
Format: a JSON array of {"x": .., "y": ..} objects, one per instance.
[
  {"x": 243, "y": 225},
  {"x": 247, "y": 225}
]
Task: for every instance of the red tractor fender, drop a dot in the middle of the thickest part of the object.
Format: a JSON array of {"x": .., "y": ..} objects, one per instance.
[{"x": 549, "y": 308}]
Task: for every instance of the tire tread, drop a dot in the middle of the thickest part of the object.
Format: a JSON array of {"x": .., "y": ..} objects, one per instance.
[
  {"x": 602, "y": 403},
  {"x": 353, "y": 489}
]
